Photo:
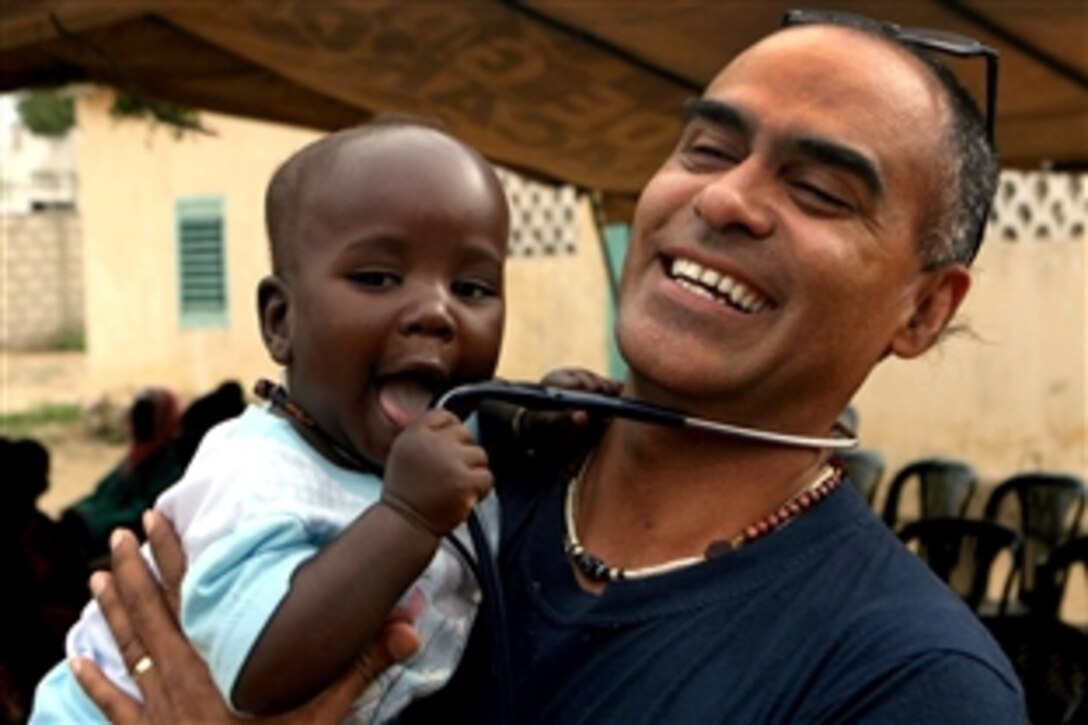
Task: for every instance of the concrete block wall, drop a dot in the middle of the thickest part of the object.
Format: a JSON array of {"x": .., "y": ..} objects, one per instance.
[{"x": 41, "y": 280}]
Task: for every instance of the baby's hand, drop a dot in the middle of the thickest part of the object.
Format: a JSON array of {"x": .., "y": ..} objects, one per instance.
[
  {"x": 435, "y": 472},
  {"x": 548, "y": 432},
  {"x": 582, "y": 380}
]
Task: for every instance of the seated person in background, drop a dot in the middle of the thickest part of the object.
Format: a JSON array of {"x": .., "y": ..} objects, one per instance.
[
  {"x": 225, "y": 402},
  {"x": 318, "y": 512},
  {"x": 44, "y": 584},
  {"x": 57, "y": 573},
  {"x": 130, "y": 488}
]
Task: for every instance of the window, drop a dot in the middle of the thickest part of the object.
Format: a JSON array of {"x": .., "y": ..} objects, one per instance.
[{"x": 201, "y": 262}]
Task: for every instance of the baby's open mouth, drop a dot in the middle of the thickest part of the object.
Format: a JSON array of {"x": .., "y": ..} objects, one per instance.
[{"x": 405, "y": 397}]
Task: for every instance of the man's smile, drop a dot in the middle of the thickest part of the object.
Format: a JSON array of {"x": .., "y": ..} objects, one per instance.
[{"x": 716, "y": 285}]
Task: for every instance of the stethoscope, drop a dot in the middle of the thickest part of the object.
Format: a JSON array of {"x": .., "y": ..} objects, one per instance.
[{"x": 542, "y": 398}]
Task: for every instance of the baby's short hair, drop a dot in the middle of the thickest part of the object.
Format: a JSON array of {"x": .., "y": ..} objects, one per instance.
[{"x": 283, "y": 195}]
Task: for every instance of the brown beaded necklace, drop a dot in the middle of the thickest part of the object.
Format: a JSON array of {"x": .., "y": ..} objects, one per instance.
[
  {"x": 594, "y": 568},
  {"x": 281, "y": 403}
]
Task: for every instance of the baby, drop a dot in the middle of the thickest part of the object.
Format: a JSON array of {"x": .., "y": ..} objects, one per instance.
[{"x": 306, "y": 521}]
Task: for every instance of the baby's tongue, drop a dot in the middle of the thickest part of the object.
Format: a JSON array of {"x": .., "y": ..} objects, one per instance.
[{"x": 404, "y": 399}]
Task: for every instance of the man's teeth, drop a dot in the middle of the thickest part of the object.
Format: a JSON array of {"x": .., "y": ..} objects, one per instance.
[{"x": 712, "y": 284}]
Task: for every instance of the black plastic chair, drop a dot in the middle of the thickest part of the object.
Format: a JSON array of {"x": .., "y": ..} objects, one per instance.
[
  {"x": 1050, "y": 506},
  {"x": 962, "y": 553},
  {"x": 864, "y": 469},
  {"x": 1054, "y": 574},
  {"x": 1051, "y": 660},
  {"x": 944, "y": 486}
]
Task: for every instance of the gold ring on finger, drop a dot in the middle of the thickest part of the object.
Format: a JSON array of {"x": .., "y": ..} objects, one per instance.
[{"x": 142, "y": 666}]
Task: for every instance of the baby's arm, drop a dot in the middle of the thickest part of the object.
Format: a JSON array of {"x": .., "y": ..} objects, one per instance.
[{"x": 339, "y": 599}]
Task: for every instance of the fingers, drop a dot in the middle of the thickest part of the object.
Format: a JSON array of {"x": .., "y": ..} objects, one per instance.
[
  {"x": 547, "y": 432},
  {"x": 565, "y": 424},
  {"x": 138, "y": 615},
  {"x": 435, "y": 473},
  {"x": 145, "y": 604},
  {"x": 400, "y": 639},
  {"x": 583, "y": 380},
  {"x": 397, "y": 641},
  {"x": 169, "y": 557},
  {"x": 118, "y": 707},
  {"x": 472, "y": 454},
  {"x": 173, "y": 680},
  {"x": 113, "y": 609},
  {"x": 440, "y": 419}
]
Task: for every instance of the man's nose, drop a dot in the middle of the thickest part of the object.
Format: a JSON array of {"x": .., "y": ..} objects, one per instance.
[
  {"x": 737, "y": 200},
  {"x": 430, "y": 313}
]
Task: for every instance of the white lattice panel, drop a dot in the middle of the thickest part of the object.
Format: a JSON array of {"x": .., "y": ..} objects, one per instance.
[
  {"x": 542, "y": 217},
  {"x": 1039, "y": 205},
  {"x": 1029, "y": 206}
]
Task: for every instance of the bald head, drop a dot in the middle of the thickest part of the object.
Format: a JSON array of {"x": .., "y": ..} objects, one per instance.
[{"x": 302, "y": 182}]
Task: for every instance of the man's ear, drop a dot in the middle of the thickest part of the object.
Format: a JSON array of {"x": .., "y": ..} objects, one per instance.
[
  {"x": 273, "y": 310},
  {"x": 936, "y": 301}
]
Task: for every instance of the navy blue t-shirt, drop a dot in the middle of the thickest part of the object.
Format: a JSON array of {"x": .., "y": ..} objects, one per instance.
[{"x": 827, "y": 620}]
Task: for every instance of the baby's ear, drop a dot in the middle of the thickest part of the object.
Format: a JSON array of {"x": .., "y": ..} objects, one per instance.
[
  {"x": 936, "y": 301},
  {"x": 273, "y": 304}
]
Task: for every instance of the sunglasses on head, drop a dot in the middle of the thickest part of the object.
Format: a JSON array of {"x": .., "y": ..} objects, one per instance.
[{"x": 941, "y": 41}]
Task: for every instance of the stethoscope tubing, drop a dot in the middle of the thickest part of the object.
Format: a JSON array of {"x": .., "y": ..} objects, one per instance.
[{"x": 541, "y": 397}]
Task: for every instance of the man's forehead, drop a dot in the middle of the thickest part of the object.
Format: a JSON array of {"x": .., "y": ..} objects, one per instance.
[
  {"x": 838, "y": 77},
  {"x": 823, "y": 49}
]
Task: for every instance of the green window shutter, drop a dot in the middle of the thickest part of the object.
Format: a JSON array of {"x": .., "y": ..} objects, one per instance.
[
  {"x": 615, "y": 240},
  {"x": 202, "y": 273}
]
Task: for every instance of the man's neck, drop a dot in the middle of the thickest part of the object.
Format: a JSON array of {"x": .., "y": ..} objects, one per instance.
[{"x": 651, "y": 494}]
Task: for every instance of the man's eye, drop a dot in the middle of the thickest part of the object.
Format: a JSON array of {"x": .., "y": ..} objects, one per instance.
[
  {"x": 820, "y": 197},
  {"x": 708, "y": 150},
  {"x": 700, "y": 155},
  {"x": 373, "y": 279},
  {"x": 472, "y": 290}
]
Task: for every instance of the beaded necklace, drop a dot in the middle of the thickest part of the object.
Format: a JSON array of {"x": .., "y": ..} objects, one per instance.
[
  {"x": 280, "y": 402},
  {"x": 595, "y": 569}
]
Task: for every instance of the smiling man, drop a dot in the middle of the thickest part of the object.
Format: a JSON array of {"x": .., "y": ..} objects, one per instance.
[
  {"x": 808, "y": 224},
  {"x": 818, "y": 215}
]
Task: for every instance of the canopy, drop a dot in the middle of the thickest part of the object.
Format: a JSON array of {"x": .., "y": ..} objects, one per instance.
[{"x": 586, "y": 93}]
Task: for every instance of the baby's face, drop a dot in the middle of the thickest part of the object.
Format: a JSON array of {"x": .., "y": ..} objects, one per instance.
[{"x": 397, "y": 289}]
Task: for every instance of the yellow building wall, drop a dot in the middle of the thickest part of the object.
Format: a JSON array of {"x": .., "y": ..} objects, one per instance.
[
  {"x": 1007, "y": 395},
  {"x": 557, "y": 309},
  {"x": 131, "y": 176}
]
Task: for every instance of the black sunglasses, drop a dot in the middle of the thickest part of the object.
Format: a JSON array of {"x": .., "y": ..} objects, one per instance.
[{"x": 942, "y": 41}]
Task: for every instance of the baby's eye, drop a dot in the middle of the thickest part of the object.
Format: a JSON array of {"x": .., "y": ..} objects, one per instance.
[
  {"x": 473, "y": 289},
  {"x": 375, "y": 279}
]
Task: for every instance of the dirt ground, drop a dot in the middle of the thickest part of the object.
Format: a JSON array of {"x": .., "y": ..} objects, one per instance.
[{"x": 29, "y": 380}]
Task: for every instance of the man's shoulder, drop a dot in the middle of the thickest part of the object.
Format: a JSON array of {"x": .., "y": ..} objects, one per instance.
[
  {"x": 891, "y": 639},
  {"x": 896, "y": 613}
]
